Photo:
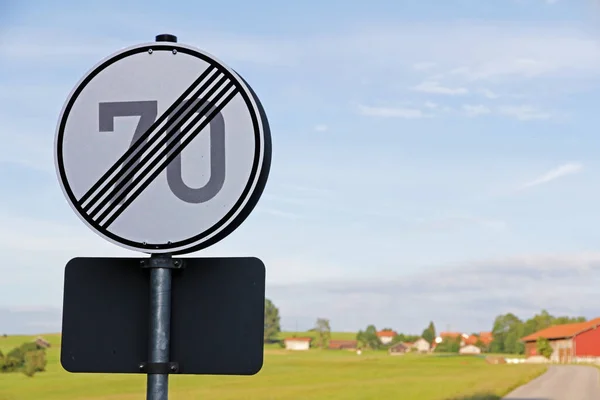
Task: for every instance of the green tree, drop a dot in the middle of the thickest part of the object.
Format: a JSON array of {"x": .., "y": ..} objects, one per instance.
[
  {"x": 361, "y": 340},
  {"x": 484, "y": 347},
  {"x": 272, "y": 322},
  {"x": 429, "y": 333},
  {"x": 507, "y": 332},
  {"x": 543, "y": 347},
  {"x": 323, "y": 330},
  {"x": 403, "y": 338},
  {"x": 449, "y": 345},
  {"x": 368, "y": 338},
  {"x": 399, "y": 338}
]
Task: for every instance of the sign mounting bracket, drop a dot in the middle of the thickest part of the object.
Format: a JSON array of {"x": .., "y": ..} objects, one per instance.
[
  {"x": 162, "y": 261},
  {"x": 164, "y": 368}
]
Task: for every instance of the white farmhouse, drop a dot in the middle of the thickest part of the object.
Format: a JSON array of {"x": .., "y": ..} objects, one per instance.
[
  {"x": 386, "y": 337},
  {"x": 421, "y": 345},
  {"x": 297, "y": 343}
]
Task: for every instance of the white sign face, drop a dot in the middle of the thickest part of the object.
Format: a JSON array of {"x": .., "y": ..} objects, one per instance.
[{"x": 163, "y": 149}]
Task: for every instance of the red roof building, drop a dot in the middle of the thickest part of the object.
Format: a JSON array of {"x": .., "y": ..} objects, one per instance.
[
  {"x": 569, "y": 341},
  {"x": 466, "y": 339},
  {"x": 386, "y": 337},
  {"x": 486, "y": 337},
  {"x": 343, "y": 344}
]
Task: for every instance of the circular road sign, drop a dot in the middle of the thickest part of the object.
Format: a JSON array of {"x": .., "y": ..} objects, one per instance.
[{"x": 162, "y": 148}]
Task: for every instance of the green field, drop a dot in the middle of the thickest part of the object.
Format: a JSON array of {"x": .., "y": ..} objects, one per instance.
[{"x": 317, "y": 374}]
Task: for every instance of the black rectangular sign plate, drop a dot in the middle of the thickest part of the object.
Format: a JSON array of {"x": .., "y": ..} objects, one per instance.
[{"x": 217, "y": 317}]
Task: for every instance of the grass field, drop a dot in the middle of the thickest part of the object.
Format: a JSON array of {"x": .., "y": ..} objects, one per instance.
[{"x": 323, "y": 375}]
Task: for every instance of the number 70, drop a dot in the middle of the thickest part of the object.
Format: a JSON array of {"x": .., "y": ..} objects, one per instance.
[{"x": 148, "y": 111}]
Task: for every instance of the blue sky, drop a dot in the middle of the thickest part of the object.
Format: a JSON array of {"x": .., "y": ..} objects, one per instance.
[{"x": 431, "y": 160}]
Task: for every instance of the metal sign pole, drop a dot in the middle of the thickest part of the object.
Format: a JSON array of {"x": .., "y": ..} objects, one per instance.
[
  {"x": 160, "y": 326},
  {"x": 157, "y": 386}
]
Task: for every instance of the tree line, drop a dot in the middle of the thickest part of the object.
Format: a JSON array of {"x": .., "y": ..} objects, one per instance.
[
  {"x": 29, "y": 358},
  {"x": 507, "y": 331}
]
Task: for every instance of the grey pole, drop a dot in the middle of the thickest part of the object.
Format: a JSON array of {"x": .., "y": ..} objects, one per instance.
[
  {"x": 157, "y": 387},
  {"x": 160, "y": 326}
]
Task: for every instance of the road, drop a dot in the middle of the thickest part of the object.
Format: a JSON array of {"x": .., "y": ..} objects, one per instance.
[{"x": 571, "y": 382}]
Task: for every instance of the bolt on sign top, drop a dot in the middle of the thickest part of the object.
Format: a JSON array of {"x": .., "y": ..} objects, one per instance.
[{"x": 162, "y": 148}]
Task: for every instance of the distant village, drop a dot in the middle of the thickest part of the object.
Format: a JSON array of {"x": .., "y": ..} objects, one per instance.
[
  {"x": 466, "y": 343},
  {"x": 560, "y": 343}
]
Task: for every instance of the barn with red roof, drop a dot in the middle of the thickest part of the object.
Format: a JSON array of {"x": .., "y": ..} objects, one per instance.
[{"x": 570, "y": 342}]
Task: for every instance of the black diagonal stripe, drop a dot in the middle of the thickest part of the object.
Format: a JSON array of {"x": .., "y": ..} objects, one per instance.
[
  {"x": 120, "y": 179},
  {"x": 120, "y": 190},
  {"x": 170, "y": 142},
  {"x": 168, "y": 160},
  {"x": 135, "y": 146}
]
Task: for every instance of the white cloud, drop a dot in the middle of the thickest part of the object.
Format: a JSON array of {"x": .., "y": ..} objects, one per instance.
[
  {"x": 556, "y": 173},
  {"x": 321, "y": 128},
  {"x": 430, "y": 104},
  {"x": 524, "y": 112},
  {"x": 487, "y": 288},
  {"x": 476, "y": 110},
  {"x": 305, "y": 290},
  {"x": 472, "y": 50},
  {"x": 488, "y": 94},
  {"x": 392, "y": 112},
  {"x": 436, "y": 88}
]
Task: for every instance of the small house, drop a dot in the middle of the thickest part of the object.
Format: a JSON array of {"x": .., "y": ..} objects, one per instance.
[
  {"x": 297, "y": 343},
  {"x": 399, "y": 349},
  {"x": 343, "y": 344},
  {"x": 41, "y": 342},
  {"x": 386, "y": 337},
  {"x": 469, "y": 349},
  {"x": 422, "y": 346}
]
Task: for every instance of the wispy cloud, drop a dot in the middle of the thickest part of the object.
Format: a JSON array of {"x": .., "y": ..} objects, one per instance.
[
  {"x": 519, "y": 285},
  {"x": 556, "y": 173},
  {"x": 488, "y": 94},
  {"x": 476, "y": 110},
  {"x": 321, "y": 128},
  {"x": 470, "y": 50},
  {"x": 521, "y": 112},
  {"x": 436, "y": 88},
  {"x": 524, "y": 112},
  {"x": 392, "y": 112}
]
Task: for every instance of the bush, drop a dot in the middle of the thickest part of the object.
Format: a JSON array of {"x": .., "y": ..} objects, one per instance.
[
  {"x": 35, "y": 361},
  {"x": 28, "y": 358},
  {"x": 543, "y": 347}
]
